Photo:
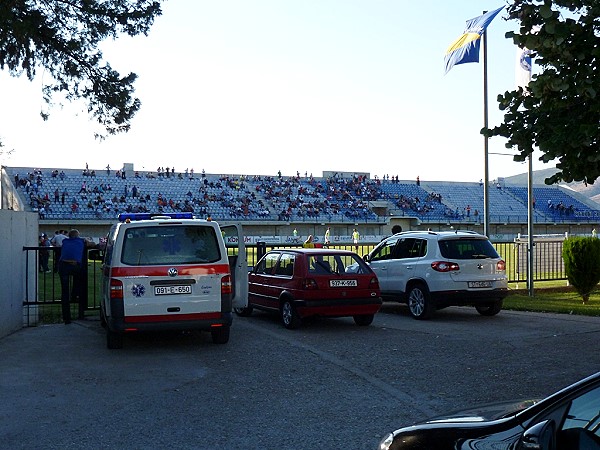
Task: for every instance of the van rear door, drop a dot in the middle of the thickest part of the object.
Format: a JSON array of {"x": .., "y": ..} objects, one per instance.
[
  {"x": 238, "y": 263},
  {"x": 170, "y": 270}
]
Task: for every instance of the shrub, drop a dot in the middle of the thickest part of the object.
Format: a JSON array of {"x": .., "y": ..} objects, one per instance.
[{"x": 582, "y": 264}]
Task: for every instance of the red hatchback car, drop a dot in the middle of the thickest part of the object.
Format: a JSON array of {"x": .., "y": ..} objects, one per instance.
[{"x": 309, "y": 282}]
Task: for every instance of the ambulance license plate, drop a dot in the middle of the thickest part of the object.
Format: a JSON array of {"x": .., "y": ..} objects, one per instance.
[{"x": 172, "y": 290}]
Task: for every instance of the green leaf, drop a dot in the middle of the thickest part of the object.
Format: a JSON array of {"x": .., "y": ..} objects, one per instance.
[{"x": 546, "y": 11}]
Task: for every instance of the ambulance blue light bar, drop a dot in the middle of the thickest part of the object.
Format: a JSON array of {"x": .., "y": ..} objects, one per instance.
[{"x": 123, "y": 217}]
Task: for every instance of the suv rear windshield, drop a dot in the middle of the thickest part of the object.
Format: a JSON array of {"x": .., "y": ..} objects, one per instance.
[
  {"x": 467, "y": 248},
  {"x": 177, "y": 244}
]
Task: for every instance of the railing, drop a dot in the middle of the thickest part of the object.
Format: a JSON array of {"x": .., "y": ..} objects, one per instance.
[
  {"x": 43, "y": 289},
  {"x": 548, "y": 262}
]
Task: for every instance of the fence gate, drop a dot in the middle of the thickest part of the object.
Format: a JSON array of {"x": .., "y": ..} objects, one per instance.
[
  {"x": 43, "y": 290},
  {"x": 548, "y": 263}
]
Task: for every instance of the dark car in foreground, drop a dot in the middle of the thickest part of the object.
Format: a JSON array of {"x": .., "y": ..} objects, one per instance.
[
  {"x": 566, "y": 420},
  {"x": 311, "y": 282}
]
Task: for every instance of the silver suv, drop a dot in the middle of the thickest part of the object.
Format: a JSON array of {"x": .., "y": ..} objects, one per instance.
[{"x": 432, "y": 270}]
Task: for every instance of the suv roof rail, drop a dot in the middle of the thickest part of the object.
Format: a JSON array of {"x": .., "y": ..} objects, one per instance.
[{"x": 124, "y": 217}]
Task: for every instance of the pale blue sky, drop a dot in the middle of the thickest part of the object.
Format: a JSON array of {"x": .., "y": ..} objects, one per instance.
[{"x": 257, "y": 86}]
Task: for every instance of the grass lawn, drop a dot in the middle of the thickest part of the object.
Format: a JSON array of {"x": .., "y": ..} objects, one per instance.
[{"x": 555, "y": 299}]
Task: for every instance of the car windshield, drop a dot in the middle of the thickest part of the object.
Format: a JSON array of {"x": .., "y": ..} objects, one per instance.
[
  {"x": 187, "y": 244},
  {"x": 467, "y": 248}
]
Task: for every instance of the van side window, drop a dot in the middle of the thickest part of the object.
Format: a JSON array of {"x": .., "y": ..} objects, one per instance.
[{"x": 110, "y": 243}]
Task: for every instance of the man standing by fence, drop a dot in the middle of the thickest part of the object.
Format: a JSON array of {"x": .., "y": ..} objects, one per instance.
[
  {"x": 56, "y": 241},
  {"x": 70, "y": 265}
]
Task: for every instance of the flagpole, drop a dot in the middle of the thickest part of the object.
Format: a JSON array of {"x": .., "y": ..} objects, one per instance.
[{"x": 486, "y": 178}]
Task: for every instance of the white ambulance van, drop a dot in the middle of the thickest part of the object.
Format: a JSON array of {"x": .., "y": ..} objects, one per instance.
[{"x": 172, "y": 272}]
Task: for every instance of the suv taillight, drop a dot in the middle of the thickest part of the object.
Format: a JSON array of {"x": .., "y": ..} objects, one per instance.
[
  {"x": 501, "y": 266},
  {"x": 226, "y": 285},
  {"x": 444, "y": 266},
  {"x": 309, "y": 283},
  {"x": 116, "y": 289}
]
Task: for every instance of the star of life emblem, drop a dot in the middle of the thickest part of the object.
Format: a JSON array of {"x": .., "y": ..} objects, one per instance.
[{"x": 138, "y": 290}]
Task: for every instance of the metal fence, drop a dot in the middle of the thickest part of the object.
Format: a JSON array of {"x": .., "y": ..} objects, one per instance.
[
  {"x": 43, "y": 289},
  {"x": 548, "y": 262},
  {"x": 43, "y": 304}
]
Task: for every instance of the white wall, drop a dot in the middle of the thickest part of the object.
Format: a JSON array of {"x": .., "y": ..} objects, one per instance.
[{"x": 17, "y": 229}]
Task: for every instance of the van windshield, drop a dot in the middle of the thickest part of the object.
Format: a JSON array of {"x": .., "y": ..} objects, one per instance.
[{"x": 170, "y": 244}]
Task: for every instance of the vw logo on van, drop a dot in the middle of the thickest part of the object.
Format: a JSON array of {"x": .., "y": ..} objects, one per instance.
[{"x": 172, "y": 272}]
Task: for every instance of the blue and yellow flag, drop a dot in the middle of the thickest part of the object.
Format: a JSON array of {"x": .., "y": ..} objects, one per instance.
[{"x": 466, "y": 48}]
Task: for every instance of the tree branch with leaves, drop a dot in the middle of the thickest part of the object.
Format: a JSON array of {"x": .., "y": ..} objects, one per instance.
[
  {"x": 559, "y": 112},
  {"x": 62, "y": 37}
]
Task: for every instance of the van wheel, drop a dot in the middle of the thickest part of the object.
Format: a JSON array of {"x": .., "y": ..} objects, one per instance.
[
  {"x": 490, "y": 309},
  {"x": 114, "y": 340},
  {"x": 289, "y": 316},
  {"x": 243, "y": 312},
  {"x": 220, "y": 335},
  {"x": 364, "y": 320},
  {"x": 419, "y": 302}
]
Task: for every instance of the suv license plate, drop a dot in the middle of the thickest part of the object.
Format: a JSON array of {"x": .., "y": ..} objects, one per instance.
[
  {"x": 343, "y": 283},
  {"x": 479, "y": 284},
  {"x": 172, "y": 290}
]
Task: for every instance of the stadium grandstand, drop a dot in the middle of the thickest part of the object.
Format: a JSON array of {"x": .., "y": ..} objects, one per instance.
[{"x": 269, "y": 204}]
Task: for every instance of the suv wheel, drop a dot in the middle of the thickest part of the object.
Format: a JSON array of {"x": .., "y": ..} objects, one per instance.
[
  {"x": 243, "y": 312},
  {"x": 290, "y": 318},
  {"x": 419, "y": 302},
  {"x": 490, "y": 309},
  {"x": 364, "y": 320}
]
